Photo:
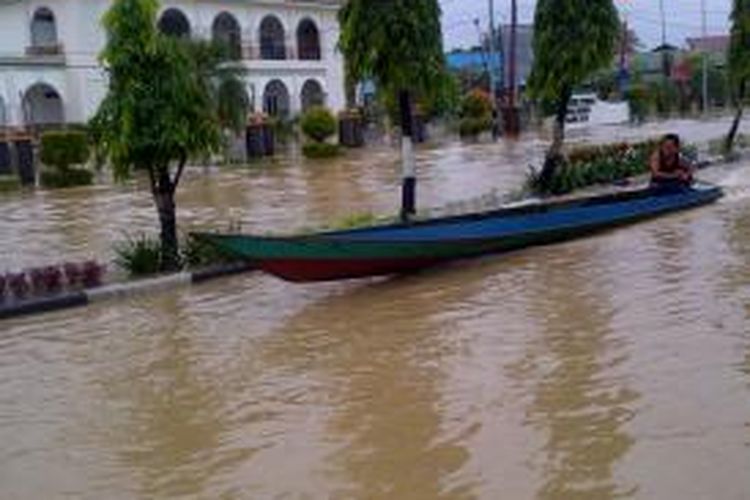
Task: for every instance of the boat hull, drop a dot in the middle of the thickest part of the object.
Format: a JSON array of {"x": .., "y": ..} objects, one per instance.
[{"x": 404, "y": 248}]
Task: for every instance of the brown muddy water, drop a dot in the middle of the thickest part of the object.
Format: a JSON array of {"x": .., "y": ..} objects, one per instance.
[{"x": 616, "y": 366}]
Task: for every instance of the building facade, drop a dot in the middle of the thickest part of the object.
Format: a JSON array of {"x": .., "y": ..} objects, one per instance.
[{"x": 49, "y": 71}]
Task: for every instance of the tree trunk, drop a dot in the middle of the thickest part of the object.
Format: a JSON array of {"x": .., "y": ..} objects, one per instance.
[
  {"x": 554, "y": 158},
  {"x": 409, "y": 178},
  {"x": 732, "y": 135},
  {"x": 163, "y": 192}
]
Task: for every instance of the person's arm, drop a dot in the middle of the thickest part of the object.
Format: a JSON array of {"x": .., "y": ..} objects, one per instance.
[{"x": 687, "y": 170}]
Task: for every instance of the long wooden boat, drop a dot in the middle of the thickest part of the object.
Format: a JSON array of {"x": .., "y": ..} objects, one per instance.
[{"x": 402, "y": 248}]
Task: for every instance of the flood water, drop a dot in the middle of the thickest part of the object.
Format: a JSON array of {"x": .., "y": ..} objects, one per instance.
[{"x": 616, "y": 366}]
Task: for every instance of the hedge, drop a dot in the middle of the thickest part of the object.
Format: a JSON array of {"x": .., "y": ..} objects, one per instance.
[
  {"x": 317, "y": 150},
  {"x": 63, "y": 149},
  {"x": 591, "y": 165},
  {"x": 70, "y": 177},
  {"x": 318, "y": 123}
]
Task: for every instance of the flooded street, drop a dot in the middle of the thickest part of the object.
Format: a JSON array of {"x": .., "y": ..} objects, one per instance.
[{"x": 616, "y": 366}]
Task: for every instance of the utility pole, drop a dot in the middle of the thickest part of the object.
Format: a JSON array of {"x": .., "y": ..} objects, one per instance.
[
  {"x": 493, "y": 74},
  {"x": 664, "y": 55},
  {"x": 623, "y": 58},
  {"x": 513, "y": 126},
  {"x": 706, "y": 104}
]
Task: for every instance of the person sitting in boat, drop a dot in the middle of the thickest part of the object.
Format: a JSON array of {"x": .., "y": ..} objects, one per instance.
[{"x": 668, "y": 167}]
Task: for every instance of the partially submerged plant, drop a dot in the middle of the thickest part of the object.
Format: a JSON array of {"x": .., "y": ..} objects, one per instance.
[{"x": 139, "y": 256}]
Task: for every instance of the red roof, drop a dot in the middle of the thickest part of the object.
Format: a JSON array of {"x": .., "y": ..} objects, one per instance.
[{"x": 715, "y": 43}]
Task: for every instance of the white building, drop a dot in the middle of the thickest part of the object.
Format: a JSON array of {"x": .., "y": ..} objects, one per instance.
[{"x": 49, "y": 72}]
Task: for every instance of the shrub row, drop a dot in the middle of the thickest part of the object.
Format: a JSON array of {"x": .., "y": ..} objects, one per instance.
[
  {"x": 51, "y": 280},
  {"x": 590, "y": 165},
  {"x": 70, "y": 177},
  {"x": 9, "y": 183}
]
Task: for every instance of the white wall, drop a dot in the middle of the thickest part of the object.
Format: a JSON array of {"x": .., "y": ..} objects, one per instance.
[{"x": 81, "y": 83}]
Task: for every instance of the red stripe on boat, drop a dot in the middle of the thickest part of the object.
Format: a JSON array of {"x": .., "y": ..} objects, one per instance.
[{"x": 309, "y": 270}]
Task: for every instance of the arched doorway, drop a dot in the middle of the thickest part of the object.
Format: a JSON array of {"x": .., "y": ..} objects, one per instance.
[
  {"x": 43, "y": 105},
  {"x": 308, "y": 41},
  {"x": 174, "y": 23},
  {"x": 312, "y": 95},
  {"x": 43, "y": 29},
  {"x": 272, "y": 39},
  {"x": 226, "y": 31},
  {"x": 276, "y": 99}
]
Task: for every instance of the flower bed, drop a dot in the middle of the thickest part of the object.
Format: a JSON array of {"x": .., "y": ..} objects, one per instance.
[
  {"x": 591, "y": 165},
  {"x": 50, "y": 280}
]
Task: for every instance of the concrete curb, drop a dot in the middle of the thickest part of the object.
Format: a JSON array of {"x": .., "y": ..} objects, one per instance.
[{"x": 119, "y": 291}]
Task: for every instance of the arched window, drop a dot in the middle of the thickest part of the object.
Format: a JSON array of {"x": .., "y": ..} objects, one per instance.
[
  {"x": 43, "y": 28},
  {"x": 174, "y": 23},
  {"x": 226, "y": 31},
  {"x": 308, "y": 41},
  {"x": 272, "y": 44},
  {"x": 43, "y": 105},
  {"x": 312, "y": 95},
  {"x": 276, "y": 99}
]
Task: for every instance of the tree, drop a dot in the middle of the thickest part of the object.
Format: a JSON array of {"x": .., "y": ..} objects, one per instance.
[
  {"x": 739, "y": 64},
  {"x": 164, "y": 105},
  {"x": 572, "y": 40},
  {"x": 399, "y": 45}
]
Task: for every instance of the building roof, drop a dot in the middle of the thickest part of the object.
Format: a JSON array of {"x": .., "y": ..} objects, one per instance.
[
  {"x": 714, "y": 43},
  {"x": 475, "y": 59}
]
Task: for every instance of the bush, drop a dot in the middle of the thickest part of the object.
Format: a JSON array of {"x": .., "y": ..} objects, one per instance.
[
  {"x": 63, "y": 149},
  {"x": 318, "y": 123},
  {"x": 476, "y": 104},
  {"x": 476, "y": 114},
  {"x": 70, "y": 177},
  {"x": 472, "y": 127},
  {"x": 139, "y": 256},
  {"x": 590, "y": 165},
  {"x": 9, "y": 183},
  {"x": 320, "y": 150}
]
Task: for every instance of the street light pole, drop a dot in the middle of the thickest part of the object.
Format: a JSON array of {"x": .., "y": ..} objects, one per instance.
[
  {"x": 493, "y": 74},
  {"x": 706, "y": 104}
]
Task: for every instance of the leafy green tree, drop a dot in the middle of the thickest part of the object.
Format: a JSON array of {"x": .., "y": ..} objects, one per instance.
[
  {"x": 572, "y": 40},
  {"x": 163, "y": 106},
  {"x": 739, "y": 64},
  {"x": 399, "y": 45}
]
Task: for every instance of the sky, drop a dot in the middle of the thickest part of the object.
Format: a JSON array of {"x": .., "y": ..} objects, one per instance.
[{"x": 683, "y": 18}]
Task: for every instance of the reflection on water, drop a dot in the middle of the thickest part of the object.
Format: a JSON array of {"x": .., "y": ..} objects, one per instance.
[
  {"x": 578, "y": 402},
  {"x": 611, "y": 367}
]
